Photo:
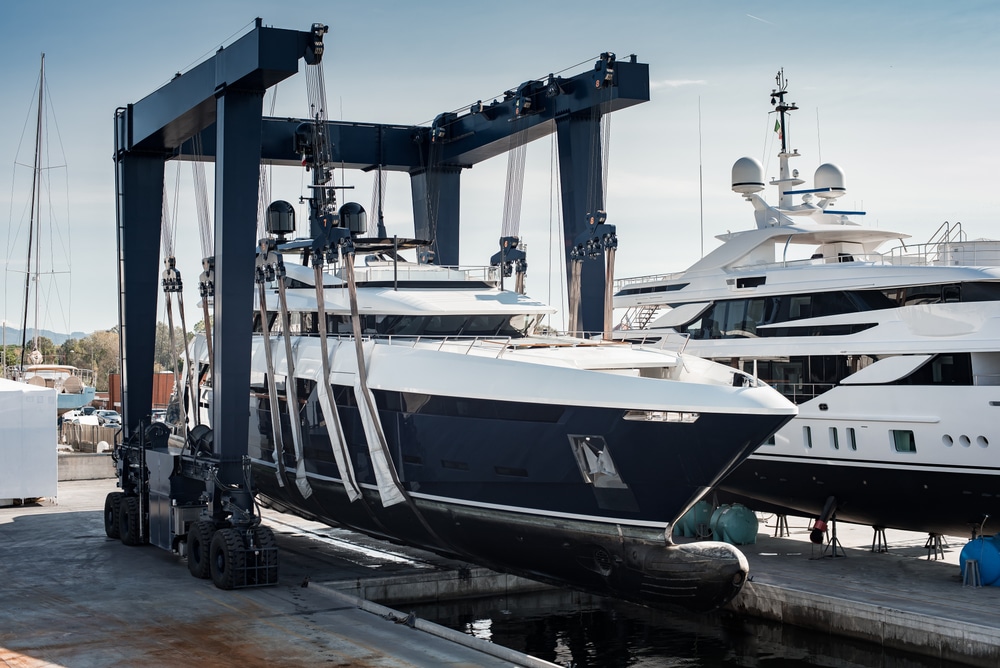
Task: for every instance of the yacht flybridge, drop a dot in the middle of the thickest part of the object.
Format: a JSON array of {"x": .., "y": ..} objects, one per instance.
[{"x": 893, "y": 356}]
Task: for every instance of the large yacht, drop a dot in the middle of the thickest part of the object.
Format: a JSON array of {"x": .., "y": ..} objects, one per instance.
[
  {"x": 890, "y": 350},
  {"x": 430, "y": 409}
]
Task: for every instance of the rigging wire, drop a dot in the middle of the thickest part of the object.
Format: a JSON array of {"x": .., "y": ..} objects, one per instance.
[
  {"x": 514, "y": 193},
  {"x": 264, "y": 183},
  {"x": 555, "y": 224},
  {"x": 376, "y": 223},
  {"x": 605, "y": 146},
  {"x": 201, "y": 201}
]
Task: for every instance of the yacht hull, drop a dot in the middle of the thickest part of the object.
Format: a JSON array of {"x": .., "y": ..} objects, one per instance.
[
  {"x": 934, "y": 501},
  {"x": 621, "y": 560},
  {"x": 68, "y": 402},
  {"x": 511, "y": 494},
  {"x": 917, "y": 458}
]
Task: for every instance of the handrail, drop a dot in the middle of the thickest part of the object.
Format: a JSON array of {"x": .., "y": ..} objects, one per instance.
[
  {"x": 943, "y": 234},
  {"x": 500, "y": 344}
]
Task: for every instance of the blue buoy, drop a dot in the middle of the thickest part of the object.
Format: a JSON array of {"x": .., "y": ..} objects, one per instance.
[{"x": 987, "y": 553}]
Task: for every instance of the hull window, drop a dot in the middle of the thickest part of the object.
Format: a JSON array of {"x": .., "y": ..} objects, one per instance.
[
  {"x": 807, "y": 436},
  {"x": 834, "y": 440},
  {"x": 852, "y": 440},
  {"x": 944, "y": 369},
  {"x": 458, "y": 407},
  {"x": 595, "y": 461},
  {"x": 902, "y": 440},
  {"x": 736, "y": 318},
  {"x": 598, "y": 469}
]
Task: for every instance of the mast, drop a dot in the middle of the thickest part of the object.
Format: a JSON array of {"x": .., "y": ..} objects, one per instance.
[
  {"x": 785, "y": 178},
  {"x": 35, "y": 209}
]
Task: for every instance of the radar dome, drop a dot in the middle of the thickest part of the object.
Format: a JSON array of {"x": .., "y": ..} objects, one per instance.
[
  {"x": 354, "y": 217},
  {"x": 830, "y": 176},
  {"x": 748, "y": 176}
]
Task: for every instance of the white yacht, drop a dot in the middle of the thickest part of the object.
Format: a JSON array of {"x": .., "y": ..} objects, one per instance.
[
  {"x": 890, "y": 350},
  {"x": 466, "y": 431},
  {"x": 74, "y": 387}
]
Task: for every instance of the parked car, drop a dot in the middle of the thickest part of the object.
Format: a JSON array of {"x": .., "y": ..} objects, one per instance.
[
  {"x": 109, "y": 418},
  {"x": 159, "y": 415}
]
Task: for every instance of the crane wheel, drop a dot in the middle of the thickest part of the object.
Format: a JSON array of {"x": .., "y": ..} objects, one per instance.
[
  {"x": 112, "y": 509},
  {"x": 199, "y": 543},
  {"x": 129, "y": 521},
  {"x": 228, "y": 559}
]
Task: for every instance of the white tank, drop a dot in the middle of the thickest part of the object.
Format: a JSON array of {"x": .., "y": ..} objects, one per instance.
[
  {"x": 830, "y": 176},
  {"x": 748, "y": 176}
]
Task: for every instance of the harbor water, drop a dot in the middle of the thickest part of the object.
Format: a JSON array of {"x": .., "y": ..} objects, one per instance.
[{"x": 580, "y": 631}]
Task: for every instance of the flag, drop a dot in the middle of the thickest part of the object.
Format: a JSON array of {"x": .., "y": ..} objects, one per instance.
[{"x": 777, "y": 128}]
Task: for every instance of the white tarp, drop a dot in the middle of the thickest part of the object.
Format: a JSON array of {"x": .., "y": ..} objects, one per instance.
[{"x": 29, "y": 464}]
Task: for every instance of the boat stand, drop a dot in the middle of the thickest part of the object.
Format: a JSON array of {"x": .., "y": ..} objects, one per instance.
[
  {"x": 833, "y": 546},
  {"x": 935, "y": 545},
  {"x": 879, "y": 543},
  {"x": 781, "y": 526}
]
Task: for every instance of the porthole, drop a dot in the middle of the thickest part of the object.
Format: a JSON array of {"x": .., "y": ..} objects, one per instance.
[
  {"x": 948, "y": 440},
  {"x": 982, "y": 441},
  {"x": 964, "y": 440}
]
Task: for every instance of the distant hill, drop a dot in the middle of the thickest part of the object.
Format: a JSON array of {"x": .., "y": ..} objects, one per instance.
[{"x": 13, "y": 336}]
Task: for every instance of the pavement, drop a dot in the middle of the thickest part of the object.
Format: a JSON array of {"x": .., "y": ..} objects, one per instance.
[{"x": 75, "y": 598}]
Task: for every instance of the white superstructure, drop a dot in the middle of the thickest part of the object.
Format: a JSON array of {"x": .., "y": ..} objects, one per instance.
[{"x": 891, "y": 350}]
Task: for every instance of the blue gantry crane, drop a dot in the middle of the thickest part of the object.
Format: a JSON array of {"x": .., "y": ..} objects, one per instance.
[{"x": 199, "y": 496}]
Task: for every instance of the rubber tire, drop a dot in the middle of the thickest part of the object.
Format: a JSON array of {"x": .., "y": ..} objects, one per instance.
[
  {"x": 199, "y": 544},
  {"x": 227, "y": 556},
  {"x": 267, "y": 562},
  {"x": 129, "y": 519},
  {"x": 112, "y": 510}
]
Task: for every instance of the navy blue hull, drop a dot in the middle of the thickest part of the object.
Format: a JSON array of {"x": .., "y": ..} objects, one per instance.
[
  {"x": 953, "y": 504},
  {"x": 505, "y": 486}
]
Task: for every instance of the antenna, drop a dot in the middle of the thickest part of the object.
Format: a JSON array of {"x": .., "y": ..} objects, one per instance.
[
  {"x": 778, "y": 102},
  {"x": 786, "y": 178}
]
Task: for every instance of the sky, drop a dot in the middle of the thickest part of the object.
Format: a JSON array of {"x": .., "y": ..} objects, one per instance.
[{"x": 903, "y": 96}]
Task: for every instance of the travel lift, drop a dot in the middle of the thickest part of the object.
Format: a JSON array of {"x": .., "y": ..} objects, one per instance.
[{"x": 195, "y": 494}]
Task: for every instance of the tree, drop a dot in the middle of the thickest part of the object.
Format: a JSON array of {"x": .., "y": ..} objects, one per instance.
[
  {"x": 97, "y": 352},
  {"x": 66, "y": 350},
  {"x": 12, "y": 355},
  {"x": 164, "y": 358}
]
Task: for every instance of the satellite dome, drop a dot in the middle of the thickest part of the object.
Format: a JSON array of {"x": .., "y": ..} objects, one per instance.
[
  {"x": 748, "y": 176},
  {"x": 830, "y": 176},
  {"x": 280, "y": 218},
  {"x": 354, "y": 217}
]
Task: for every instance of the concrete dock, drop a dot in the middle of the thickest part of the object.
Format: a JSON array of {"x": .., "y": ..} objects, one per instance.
[
  {"x": 75, "y": 598},
  {"x": 911, "y": 597}
]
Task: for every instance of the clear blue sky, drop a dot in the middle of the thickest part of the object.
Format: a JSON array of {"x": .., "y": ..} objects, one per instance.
[{"x": 904, "y": 96}]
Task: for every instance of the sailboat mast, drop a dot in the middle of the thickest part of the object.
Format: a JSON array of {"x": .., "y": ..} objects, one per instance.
[{"x": 34, "y": 212}]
